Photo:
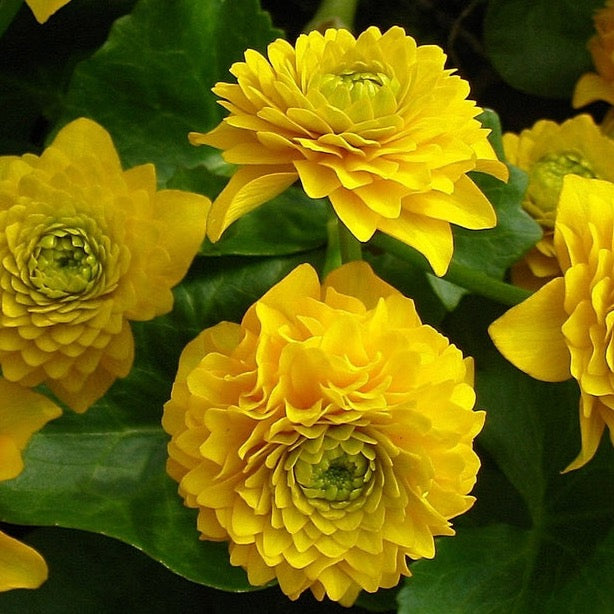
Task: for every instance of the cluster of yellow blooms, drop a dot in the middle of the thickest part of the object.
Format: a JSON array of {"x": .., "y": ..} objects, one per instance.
[
  {"x": 331, "y": 431},
  {"x": 565, "y": 329}
]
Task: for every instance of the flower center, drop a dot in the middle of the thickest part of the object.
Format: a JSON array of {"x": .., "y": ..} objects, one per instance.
[
  {"x": 546, "y": 182},
  {"x": 64, "y": 262},
  {"x": 350, "y": 86},
  {"x": 338, "y": 476}
]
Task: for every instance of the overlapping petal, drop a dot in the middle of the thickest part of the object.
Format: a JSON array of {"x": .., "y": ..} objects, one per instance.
[
  {"x": 22, "y": 413},
  {"x": 85, "y": 247},
  {"x": 375, "y": 123},
  {"x": 566, "y": 328},
  {"x": 328, "y": 437},
  {"x": 547, "y": 152}
]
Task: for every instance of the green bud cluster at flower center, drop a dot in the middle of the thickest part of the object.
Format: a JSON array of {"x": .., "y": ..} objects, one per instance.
[
  {"x": 546, "y": 181},
  {"x": 352, "y": 85},
  {"x": 337, "y": 477},
  {"x": 64, "y": 262}
]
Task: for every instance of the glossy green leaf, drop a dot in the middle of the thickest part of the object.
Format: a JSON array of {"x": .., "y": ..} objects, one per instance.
[
  {"x": 104, "y": 470},
  {"x": 93, "y": 573},
  {"x": 539, "y": 46},
  {"x": 150, "y": 83},
  {"x": 36, "y": 64},
  {"x": 492, "y": 251}
]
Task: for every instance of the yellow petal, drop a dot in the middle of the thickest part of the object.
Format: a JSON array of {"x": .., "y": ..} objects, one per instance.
[
  {"x": 352, "y": 211},
  {"x": 22, "y": 413},
  {"x": 43, "y": 9},
  {"x": 248, "y": 188},
  {"x": 591, "y": 87},
  {"x": 432, "y": 238},
  {"x": 466, "y": 206},
  {"x": 83, "y": 138},
  {"x": 358, "y": 279},
  {"x": 529, "y": 335},
  {"x": 20, "y": 565},
  {"x": 11, "y": 463},
  {"x": 592, "y": 426}
]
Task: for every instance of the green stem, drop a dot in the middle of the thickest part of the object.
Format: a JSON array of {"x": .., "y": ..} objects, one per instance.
[
  {"x": 349, "y": 245},
  {"x": 333, "y": 14},
  {"x": 470, "y": 279},
  {"x": 342, "y": 245},
  {"x": 8, "y": 10}
]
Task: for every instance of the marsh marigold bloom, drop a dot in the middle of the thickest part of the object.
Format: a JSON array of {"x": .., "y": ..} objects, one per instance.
[
  {"x": 85, "y": 247},
  {"x": 22, "y": 413},
  {"x": 43, "y": 9},
  {"x": 376, "y": 124},
  {"x": 327, "y": 437},
  {"x": 547, "y": 152},
  {"x": 599, "y": 85},
  {"x": 566, "y": 328}
]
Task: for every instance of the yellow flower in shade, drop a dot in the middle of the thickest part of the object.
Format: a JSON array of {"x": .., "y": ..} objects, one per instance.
[
  {"x": 43, "y": 9},
  {"x": 547, "y": 152},
  {"x": 376, "y": 124},
  {"x": 85, "y": 247},
  {"x": 599, "y": 85},
  {"x": 327, "y": 437},
  {"x": 565, "y": 329},
  {"x": 22, "y": 413}
]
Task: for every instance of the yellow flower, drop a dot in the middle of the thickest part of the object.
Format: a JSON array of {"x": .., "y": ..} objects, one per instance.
[
  {"x": 43, "y": 9},
  {"x": 565, "y": 328},
  {"x": 22, "y": 413},
  {"x": 327, "y": 437},
  {"x": 85, "y": 247},
  {"x": 376, "y": 124},
  {"x": 599, "y": 85},
  {"x": 548, "y": 151}
]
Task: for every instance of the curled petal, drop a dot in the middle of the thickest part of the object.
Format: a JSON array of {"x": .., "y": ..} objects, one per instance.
[
  {"x": 529, "y": 335},
  {"x": 249, "y": 188},
  {"x": 20, "y": 565}
]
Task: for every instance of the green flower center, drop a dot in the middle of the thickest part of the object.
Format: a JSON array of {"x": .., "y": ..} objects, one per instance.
[
  {"x": 64, "y": 262},
  {"x": 546, "y": 182},
  {"x": 338, "y": 476},
  {"x": 350, "y": 86}
]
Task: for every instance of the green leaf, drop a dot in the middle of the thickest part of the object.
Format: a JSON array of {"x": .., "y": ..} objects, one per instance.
[
  {"x": 92, "y": 573},
  {"x": 36, "y": 64},
  {"x": 531, "y": 433},
  {"x": 539, "y": 46},
  {"x": 290, "y": 223},
  {"x": 104, "y": 471},
  {"x": 150, "y": 83},
  {"x": 494, "y": 250}
]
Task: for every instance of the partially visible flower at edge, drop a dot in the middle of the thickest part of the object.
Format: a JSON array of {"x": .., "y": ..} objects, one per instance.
[
  {"x": 22, "y": 413},
  {"x": 43, "y": 9},
  {"x": 565, "y": 329},
  {"x": 376, "y": 124},
  {"x": 85, "y": 247},
  {"x": 599, "y": 85},
  {"x": 547, "y": 152},
  {"x": 328, "y": 437}
]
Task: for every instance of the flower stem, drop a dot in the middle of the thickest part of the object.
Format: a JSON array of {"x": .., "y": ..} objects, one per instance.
[
  {"x": 349, "y": 245},
  {"x": 333, "y": 14},
  {"x": 8, "y": 10},
  {"x": 461, "y": 275}
]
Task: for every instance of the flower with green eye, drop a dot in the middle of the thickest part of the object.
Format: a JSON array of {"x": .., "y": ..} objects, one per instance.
[
  {"x": 328, "y": 437},
  {"x": 85, "y": 247}
]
